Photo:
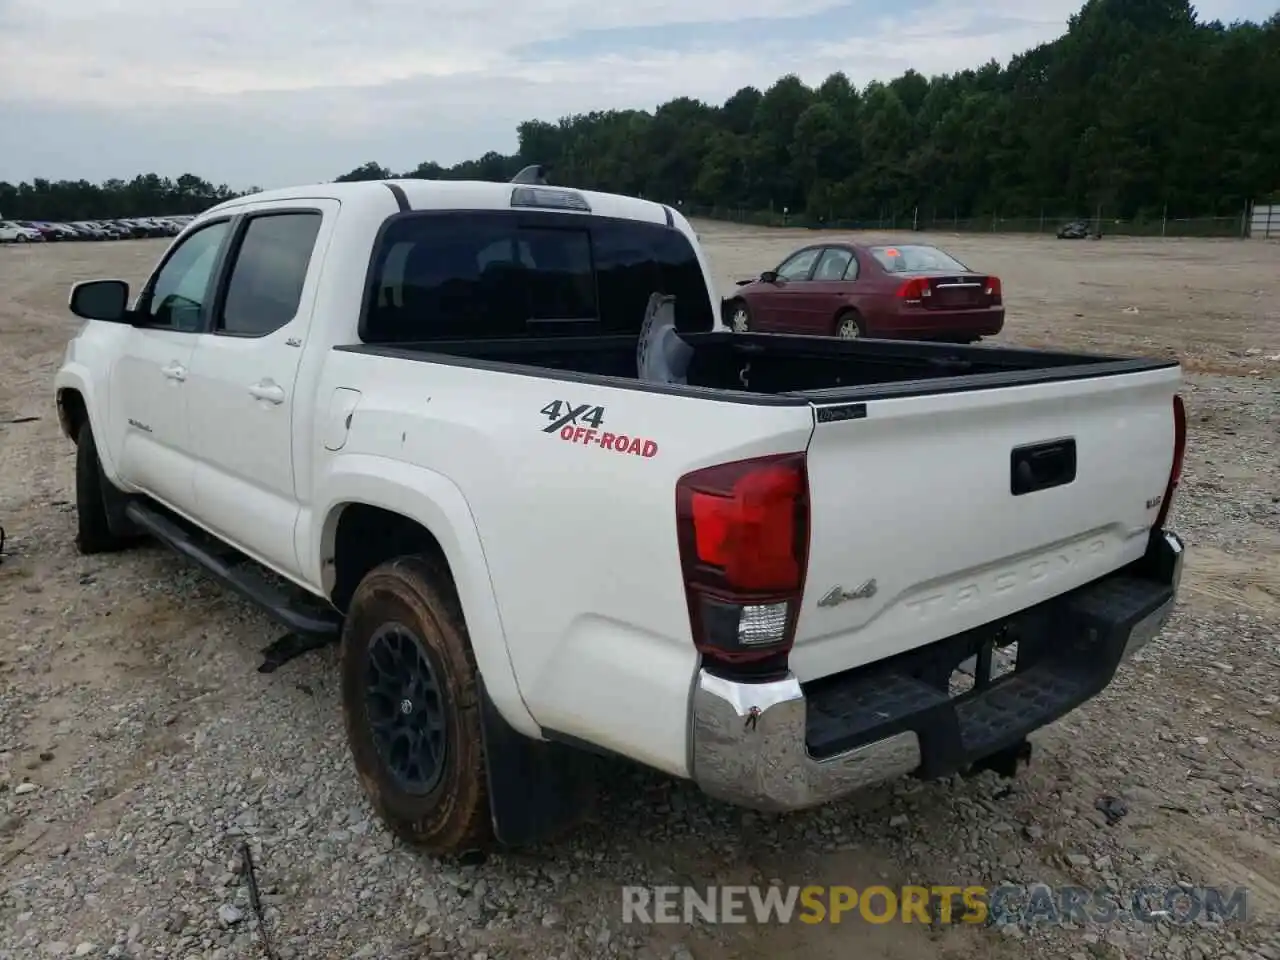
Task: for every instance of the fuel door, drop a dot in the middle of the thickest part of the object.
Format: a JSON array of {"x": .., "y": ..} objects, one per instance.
[{"x": 342, "y": 407}]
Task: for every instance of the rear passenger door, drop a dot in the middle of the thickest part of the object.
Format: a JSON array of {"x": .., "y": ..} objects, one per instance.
[
  {"x": 242, "y": 404},
  {"x": 829, "y": 290}
]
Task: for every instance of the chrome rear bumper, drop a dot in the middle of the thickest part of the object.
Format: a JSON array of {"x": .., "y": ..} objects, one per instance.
[
  {"x": 749, "y": 748},
  {"x": 750, "y": 740}
]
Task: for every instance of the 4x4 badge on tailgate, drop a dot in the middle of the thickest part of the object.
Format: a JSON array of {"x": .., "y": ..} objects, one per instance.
[{"x": 838, "y": 595}]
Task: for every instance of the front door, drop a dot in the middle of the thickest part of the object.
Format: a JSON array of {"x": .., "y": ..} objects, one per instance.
[
  {"x": 149, "y": 382},
  {"x": 779, "y": 307},
  {"x": 242, "y": 398}
]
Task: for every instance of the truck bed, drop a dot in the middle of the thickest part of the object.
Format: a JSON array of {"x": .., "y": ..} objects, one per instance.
[
  {"x": 951, "y": 486},
  {"x": 818, "y": 369}
]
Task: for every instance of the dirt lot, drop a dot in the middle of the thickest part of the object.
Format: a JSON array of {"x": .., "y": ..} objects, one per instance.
[{"x": 131, "y": 706}]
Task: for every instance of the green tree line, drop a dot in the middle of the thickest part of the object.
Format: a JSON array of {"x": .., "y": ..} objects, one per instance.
[{"x": 1139, "y": 107}]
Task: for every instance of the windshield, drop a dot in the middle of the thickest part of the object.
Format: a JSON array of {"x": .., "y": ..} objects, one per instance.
[{"x": 915, "y": 258}]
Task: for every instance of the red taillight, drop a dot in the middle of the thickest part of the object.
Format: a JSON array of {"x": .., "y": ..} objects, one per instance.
[
  {"x": 993, "y": 289},
  {"x": 749, "y": 531},
  {"x": 1179, "y": 452},
  {"x": 743, "y": 529},
  {"x": 914, "y": 290}
]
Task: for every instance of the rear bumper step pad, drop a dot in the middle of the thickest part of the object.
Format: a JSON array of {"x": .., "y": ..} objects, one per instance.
[{"x": 1068, "y": 651}]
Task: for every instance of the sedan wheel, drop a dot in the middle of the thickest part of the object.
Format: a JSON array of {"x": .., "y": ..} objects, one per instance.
[{"x": 848, "y": 329}]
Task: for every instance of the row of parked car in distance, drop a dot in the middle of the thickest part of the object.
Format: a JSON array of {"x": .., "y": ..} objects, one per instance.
[{"x": 128, "y": 228}]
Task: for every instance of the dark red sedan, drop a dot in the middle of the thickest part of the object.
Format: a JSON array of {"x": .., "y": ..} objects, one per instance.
[{"x": 894, "y": 291}]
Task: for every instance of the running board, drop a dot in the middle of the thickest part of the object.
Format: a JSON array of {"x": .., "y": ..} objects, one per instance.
[{"x": 295, "y": 609}]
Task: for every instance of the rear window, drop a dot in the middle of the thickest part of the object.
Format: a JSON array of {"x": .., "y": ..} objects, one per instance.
[
  {"x": 914, "y": 258},
  {"x": 479, "y": 276}
]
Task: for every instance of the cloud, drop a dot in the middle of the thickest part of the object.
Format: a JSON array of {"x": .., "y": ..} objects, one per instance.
[{"x": 301, "y": 90}]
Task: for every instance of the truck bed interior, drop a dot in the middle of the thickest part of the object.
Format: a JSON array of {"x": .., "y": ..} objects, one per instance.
[{"x": 809, "y": 368}]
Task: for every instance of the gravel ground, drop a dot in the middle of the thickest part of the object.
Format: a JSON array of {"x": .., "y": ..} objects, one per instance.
[{"x": 140, "y": 748}]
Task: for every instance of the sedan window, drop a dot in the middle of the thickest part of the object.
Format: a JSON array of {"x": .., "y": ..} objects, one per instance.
[
  {"x": 833, "y": 264},
  {"x": 797, "y": 266},
  {"x": 914, "y": 258}
]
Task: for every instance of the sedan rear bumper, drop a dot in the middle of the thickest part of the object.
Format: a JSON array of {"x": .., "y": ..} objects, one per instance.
[{"x": 924, "y": 324}]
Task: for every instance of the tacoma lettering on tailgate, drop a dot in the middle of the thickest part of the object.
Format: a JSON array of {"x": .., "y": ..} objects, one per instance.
[{"x": 1005, "y": 578}]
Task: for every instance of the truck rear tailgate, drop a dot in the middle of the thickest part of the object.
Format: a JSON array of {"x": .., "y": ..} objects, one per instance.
[{"x": 937, "y": 513}]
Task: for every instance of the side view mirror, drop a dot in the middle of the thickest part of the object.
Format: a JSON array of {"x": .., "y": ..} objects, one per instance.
[
  {"x": 106, "y": 300},
  {"x": 769, "y": 276}
]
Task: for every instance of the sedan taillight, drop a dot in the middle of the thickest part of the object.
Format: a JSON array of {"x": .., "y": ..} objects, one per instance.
[{"x": 914, "y": 290}]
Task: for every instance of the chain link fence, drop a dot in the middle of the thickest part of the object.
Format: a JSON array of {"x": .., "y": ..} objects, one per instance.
[{"x": 930, "y": 220}]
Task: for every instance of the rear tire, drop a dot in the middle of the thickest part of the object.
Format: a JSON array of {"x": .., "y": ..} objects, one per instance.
[
  {"x": 411, "y": 705},
  {"x": 849, "y": 325},
  {"x": 94, "y": 533}
]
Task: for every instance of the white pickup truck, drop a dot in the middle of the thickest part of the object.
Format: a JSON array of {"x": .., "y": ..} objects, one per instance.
[{"x": 431, "y": 419}]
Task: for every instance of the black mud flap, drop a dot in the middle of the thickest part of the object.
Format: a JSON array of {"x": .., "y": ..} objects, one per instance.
[
  {"x": 115, "y": 502},
  {"x": 537, "y": 790},
  {"x": 289, "y": 647}
]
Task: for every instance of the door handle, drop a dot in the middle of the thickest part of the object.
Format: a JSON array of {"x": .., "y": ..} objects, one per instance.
[
  {"x": 267, "y": 390},
  {"x": 1040, "y": 466},
  {"x": 175, "y": 371}
]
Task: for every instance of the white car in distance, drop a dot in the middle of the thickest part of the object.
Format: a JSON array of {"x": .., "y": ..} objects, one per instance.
[{"x": 11, "y": 232}]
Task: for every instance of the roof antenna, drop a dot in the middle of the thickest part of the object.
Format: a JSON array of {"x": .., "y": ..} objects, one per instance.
[{"x": 534, "y": 174}]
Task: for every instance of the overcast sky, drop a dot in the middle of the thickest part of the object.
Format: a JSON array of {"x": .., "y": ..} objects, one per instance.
[{"x": 274, "y": 92}]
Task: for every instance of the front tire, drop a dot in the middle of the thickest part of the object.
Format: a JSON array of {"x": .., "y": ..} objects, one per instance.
[{"x": 411, "y": 705}]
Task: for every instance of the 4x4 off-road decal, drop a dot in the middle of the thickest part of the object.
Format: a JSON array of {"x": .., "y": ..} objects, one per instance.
[{"x": 582, "y": 424}]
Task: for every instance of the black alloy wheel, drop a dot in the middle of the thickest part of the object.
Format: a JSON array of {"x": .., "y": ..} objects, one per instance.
[{"x": 406, "y": 709}]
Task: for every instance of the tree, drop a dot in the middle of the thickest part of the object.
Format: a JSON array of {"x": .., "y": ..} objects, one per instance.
[{"x": 366, "y": 171}]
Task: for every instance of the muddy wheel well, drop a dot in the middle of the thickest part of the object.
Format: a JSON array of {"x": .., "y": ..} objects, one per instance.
[
  {"x": 367, "y": 536},
  {"x": 72, "y": 412}
]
